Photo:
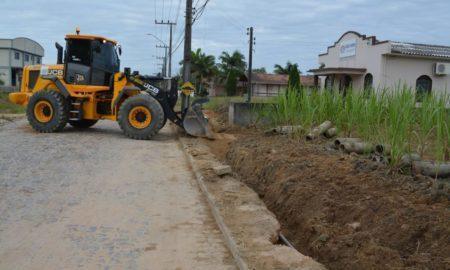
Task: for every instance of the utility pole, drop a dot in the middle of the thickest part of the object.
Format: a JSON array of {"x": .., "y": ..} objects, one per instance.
[
  {"x": 187, "y": 52},
  {"x": 165, "y": 58},
  {"x": 162, "y": 65},
  {"x": 250, "y": 63},
  {"x": 170, "y": 24}
]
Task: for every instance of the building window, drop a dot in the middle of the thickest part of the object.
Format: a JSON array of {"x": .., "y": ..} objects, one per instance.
[
  {"x": 423, "y": 87},
  {"x": 27, "y": 57},
  {"x": 38, "y": 60},
  {"x": 368, "y": 84},
  {"x": 16, "y": 55},
  {"x": 32, "y": 58}
]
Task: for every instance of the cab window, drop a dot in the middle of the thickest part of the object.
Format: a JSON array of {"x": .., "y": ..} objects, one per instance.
[{"x": 79, "y": 51}]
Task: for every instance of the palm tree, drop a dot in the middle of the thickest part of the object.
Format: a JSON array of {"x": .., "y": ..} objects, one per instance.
[
  {"x": 203, "y": 68},
  {"x": 278, "y": 69},
  {"x": 231, "y": 67}
]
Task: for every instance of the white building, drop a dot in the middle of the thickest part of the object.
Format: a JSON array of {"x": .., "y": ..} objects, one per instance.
[
  {"x": 364, "y": 62},
  {"x": 14, "y": 55}
]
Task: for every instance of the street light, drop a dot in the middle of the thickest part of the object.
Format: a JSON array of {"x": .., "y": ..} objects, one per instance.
[{"x": 157, "y": 38}]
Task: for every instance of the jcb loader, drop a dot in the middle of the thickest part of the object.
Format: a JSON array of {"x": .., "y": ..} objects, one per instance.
[{"x": 87, "y": 86}]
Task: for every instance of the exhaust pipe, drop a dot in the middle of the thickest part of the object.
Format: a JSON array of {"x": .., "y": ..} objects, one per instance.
[{"x": 59, "y": 48}]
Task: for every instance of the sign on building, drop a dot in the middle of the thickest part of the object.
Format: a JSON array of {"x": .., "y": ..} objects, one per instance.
[{"x": 348, "y": 48}]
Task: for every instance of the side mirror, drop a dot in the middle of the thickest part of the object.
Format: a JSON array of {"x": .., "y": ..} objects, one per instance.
[{"x": 119, "y": 49}]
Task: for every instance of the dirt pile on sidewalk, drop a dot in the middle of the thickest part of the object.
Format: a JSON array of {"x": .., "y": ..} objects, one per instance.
[{"x": 344, "y": 211}]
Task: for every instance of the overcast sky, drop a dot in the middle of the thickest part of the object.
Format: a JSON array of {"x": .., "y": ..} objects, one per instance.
[{"x": 295, "y": 30}]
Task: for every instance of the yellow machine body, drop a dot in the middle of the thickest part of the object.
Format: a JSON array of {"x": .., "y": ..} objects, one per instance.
[
  {"x": 87, "y": 86},
  {"x": 90, "y": 94}
]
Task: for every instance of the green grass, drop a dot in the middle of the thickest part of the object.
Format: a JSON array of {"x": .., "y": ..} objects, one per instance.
[
  {"x": 7, "y": 107},
  {"x": 390, "y": 117}
]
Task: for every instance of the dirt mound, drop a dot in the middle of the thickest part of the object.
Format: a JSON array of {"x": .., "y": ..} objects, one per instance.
[{"x": 344, "y": 211}]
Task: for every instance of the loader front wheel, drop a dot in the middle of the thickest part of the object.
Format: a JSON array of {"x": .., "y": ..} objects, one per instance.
[
  {"x": 47, "y": 111},
  {"x": 140, "y": 117}
]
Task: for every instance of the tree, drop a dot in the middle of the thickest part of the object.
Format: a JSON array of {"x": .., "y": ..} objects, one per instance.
[
  {"x": 203, "y": 67},
  {"x": 260, "y": 70},
  {"x": 294, "y": 79},
  {"x": 232, "y": 67},
  {"x": 231, "y": 83},
  {"x": 278, "y": 69},
  {"x": 1, "y": 82}
]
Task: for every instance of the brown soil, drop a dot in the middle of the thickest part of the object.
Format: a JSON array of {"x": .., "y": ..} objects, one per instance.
[{"x": 345, "y": 211}]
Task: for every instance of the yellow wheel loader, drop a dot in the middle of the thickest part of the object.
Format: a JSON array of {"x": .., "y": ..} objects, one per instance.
[{"x": 87, "y": 86}]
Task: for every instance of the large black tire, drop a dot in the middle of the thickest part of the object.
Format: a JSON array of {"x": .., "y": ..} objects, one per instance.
[
  {"x": 134, "y": 120},
  {"x": 82, "y": 124},
  {"x": 47, "y": 111}
]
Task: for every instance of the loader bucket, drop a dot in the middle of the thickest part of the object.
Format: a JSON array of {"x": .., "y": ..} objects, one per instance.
[{"x": 196, "y": 124}]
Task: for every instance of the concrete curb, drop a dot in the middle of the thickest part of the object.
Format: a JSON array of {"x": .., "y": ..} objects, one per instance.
[
  {"x": 229, "y": 241},
  {"x": 12, "y": 116}
]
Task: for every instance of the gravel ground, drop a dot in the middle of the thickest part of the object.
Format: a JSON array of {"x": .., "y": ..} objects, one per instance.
[{"x": 97, "y": 200}]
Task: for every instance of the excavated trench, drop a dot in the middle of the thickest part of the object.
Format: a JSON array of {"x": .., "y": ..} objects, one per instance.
[{"x": 344, "y": 211}]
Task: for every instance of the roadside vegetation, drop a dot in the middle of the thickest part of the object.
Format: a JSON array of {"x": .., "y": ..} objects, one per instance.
[
  {"x": 227, "y": 70},
  {"x": 389, "y": 117},
  {"x": 7, "y": 107}
]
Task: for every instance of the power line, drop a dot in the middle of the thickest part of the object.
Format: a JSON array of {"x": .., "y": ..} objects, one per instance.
[
  {"x": 178, "y": 11},
  {"x": 196, "y": 18},
  {"x": 179, "y": 44},
  {"x": 170, "y": 9},
  {"x": 200, "y": 11}
]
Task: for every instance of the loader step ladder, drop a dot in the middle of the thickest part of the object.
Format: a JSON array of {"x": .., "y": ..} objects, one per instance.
[{"x": 76, "y": 110}]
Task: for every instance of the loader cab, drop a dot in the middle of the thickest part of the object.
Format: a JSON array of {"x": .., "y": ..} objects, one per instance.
[{"x": 90, "y": 60}]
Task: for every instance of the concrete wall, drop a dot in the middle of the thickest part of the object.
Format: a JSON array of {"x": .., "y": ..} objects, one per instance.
[
  {"x": 409, "y": 69},
  {"x": 28, "y": 45},
  {"x": 245, "y": 114},
  {"x": 5, "y": 43},
  {"x": 16, "y": 62},
  {"x": 5, "y": 75},
  {"x": 4, "y": 57}
]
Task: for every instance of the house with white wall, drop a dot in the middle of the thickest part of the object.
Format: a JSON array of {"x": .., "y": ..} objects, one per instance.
[{"x": 364, "y": 62}]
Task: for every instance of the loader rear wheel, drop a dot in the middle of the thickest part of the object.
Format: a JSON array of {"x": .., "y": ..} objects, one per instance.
[
  {"x": 140, "y": 117},
  {"x": 47, "y": 111},
  {"x": 84, "y": 123}
]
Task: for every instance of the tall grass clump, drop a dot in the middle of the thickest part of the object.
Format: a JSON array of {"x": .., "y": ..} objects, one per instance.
[
  {"x": 398, "y": 122},
  {"x": 285, "y": 110},
  {"x": 388, "y": 116}
]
